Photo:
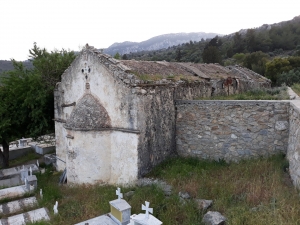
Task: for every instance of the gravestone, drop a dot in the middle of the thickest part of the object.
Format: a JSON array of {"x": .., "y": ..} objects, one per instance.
[
  {"x": 31, "y": 216},
  {"x": 119, "y": 215},
  {"x": 145, "y": 219},
  {"x": 17, "y": 206},
  {"x": 120, "y": 210},
  {"x": 55, "y": 210},
  {"x": 22, "y": 142}
]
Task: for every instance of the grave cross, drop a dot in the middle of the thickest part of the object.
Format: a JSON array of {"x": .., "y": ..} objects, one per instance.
[
  {"x": 147, "y": 209},
  {"x": 41, "y": 193},
  {"x": 37, "y": 163},
  {"x": 30, "y": 171},
  {"x": 118, "y": 192},
  {"x": 55, "y": 208}
]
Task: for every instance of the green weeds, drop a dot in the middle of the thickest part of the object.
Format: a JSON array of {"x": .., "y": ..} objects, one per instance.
[
  {"x": 277, "y": 93},
  {"x": 296, "y": 88}
]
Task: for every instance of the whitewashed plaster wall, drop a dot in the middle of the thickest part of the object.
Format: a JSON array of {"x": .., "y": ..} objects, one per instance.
[
  {"x": 124, "y": 157},
  {"x": 61, "y": 150},
  {"x": 102, "y": 157}
]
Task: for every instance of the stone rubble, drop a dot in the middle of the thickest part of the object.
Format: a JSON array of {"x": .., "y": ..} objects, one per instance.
[
  {"x": 214, "y": 218},
  {"x": 203, "y": 204}
]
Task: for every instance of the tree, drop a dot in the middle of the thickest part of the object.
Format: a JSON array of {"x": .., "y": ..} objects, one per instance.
[
  {"x": 238, "y": 43},
  {"x": 289, "y": 78},
  {"x": 276, "y": 67},
  {"x": 256, "y": 61},
  {"x": 117, "y": 56},
  {"x": 178, "y": 55},
  {"x": 211, "y": 52},
  {"x": 50, "y": 65},
  {"x": 26, "y": 97}
]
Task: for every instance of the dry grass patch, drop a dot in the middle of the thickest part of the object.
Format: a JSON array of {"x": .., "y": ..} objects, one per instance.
[{"x": 296, "y": 88}]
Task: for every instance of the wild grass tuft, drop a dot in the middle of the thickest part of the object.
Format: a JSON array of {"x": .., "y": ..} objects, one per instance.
[
  {"x": 27, "y": 157},
  {"x": 296, "y": 88},
  {"x": 276, "y": 93}
]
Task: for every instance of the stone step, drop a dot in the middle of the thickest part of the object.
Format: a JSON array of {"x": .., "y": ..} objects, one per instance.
[
  {"x": 17, "y": 206},
  {"x": 23, "y": 218}
]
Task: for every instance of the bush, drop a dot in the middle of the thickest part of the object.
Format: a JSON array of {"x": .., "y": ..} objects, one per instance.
[{"x": 289, "y": 78}]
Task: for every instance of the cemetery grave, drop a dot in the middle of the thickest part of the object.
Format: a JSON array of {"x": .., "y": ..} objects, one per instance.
[
  {"x": 26, "y": 184},
  {"x": 180, "y": 191},
  {"x": 42, "y": 145}
]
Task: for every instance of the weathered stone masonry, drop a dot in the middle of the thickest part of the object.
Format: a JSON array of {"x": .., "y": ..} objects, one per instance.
[
  {"x": 231, "y": 130},
  {"x": 293, "y": 152},
  {"x": 235, "y": 130}
]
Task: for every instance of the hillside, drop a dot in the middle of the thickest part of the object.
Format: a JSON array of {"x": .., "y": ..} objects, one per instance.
[
  {"x": 6, "y": 65},
  {"x": 158, "y": 42},
  {"x": 273, "y": 39}
]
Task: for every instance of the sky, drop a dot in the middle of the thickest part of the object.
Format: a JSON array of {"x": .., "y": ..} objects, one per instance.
[{"x": 70, "y": 24}]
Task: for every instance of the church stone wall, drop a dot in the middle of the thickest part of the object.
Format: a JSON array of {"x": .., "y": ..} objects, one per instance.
[
  {"x": 231, "y": 130},
  {"x": 293, "y": 152},
  {"x": 156, "y": 120}
]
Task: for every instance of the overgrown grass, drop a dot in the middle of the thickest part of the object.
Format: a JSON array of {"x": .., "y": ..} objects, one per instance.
[
  {"x": 296, "y": 88},
  {"x": 255, "y": 192},
  {"x": 277, "y": 93}
]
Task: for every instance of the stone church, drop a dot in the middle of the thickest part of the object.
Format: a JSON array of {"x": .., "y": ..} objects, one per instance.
[{"x": 115, "y": 119}]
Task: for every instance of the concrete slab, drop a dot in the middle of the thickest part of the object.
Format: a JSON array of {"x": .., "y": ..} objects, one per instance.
[
  {"x": 31, "y": 216},
  {"x": 100, "y": 220},
  {"x": 13, "y": 192},
  {"x": 11, "y": 182},
  {"x": 44, "y": 149},
  {"x": 17, "y": 206}
]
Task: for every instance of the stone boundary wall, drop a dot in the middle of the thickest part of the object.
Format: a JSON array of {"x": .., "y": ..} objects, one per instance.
[
  {"x": 231, "y": 130},
  {"x": 293, "y": 152}
]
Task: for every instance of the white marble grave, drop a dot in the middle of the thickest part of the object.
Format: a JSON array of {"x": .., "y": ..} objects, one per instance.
[
  {"x": 10, "y": 172},
  {"x": 120, "y": 212},
  {"x": 23, "y": 218},
  {"x": 17, "y": 206},
  {"x": 145, "y": 219}
]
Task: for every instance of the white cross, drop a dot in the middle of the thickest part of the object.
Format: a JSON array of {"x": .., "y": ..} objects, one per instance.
[
  {"x": 147, "y": 209},
  {"x": 25, "y": 182},
  {"x": 55, "y": 208},
  {"x": 37, "y": 163},
  {"x": 118, "y": 192},
  {"x": 30, "y": 171},
  {"x": 41, "y": 193}
]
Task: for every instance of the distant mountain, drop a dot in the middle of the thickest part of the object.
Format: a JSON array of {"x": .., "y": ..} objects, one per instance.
[
  {"x": 6, "y": 65},
  {"x": 158, "y": 42}
]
